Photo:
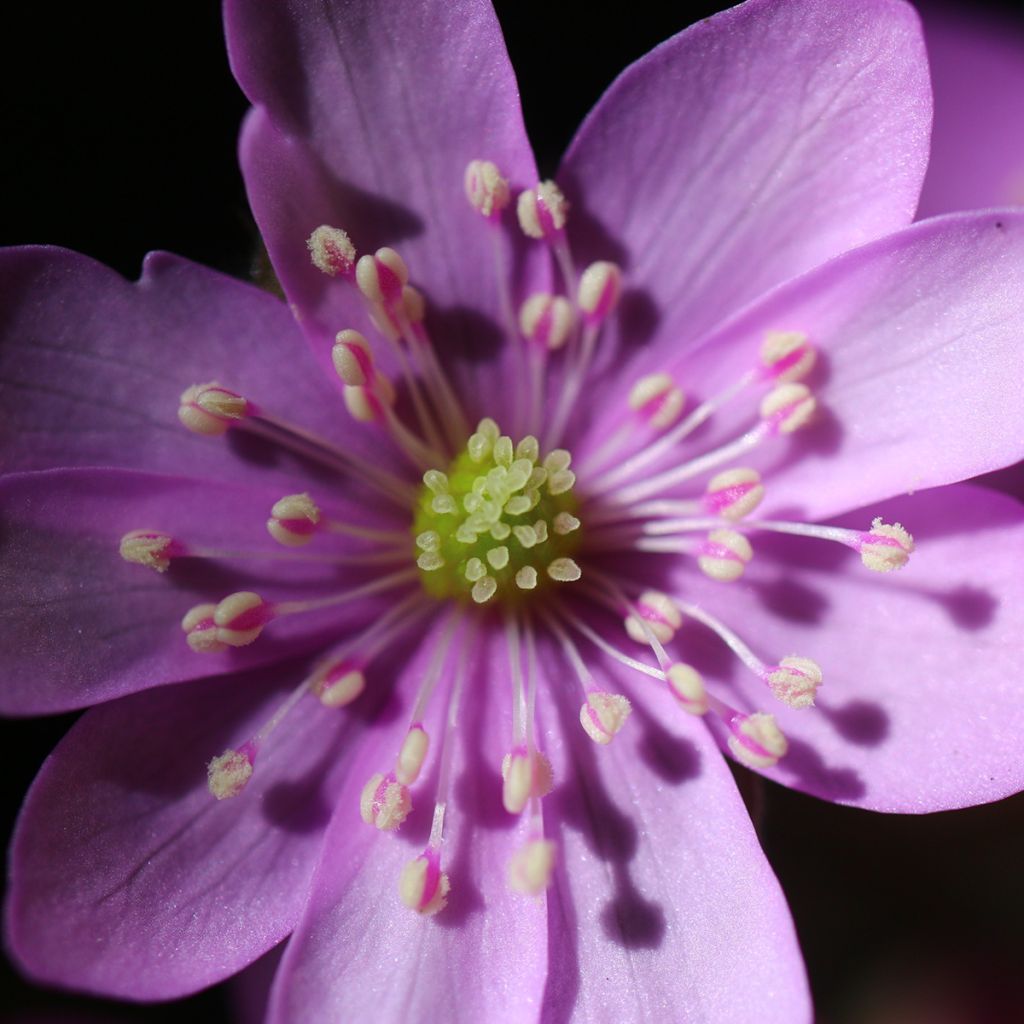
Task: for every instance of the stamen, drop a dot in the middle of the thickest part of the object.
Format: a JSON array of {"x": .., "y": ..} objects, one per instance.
[
  {"x": 564, "y": 570},
  {"x": 734, "y": 493},
  {"x": 525, "y": 774},
  {"x": 331, "y": 251},
  {"x": 487, "y": 191},
  {"x": 724, "y": 555},
  {"x": 546, "y": 321},
  {"x": 381, "y": 277},
  {"x": 603, "y": 715},
  {"x": 788, "y": 408},
  {"x": 423, "y": 886},
  {"x": 352, "y": 358},
  {"x": 599, "y": 291},
  {"x": 687, "y": 687},
  {"x": 886, "y": 547},
  {"x": 756, "y": 740},
  {"x": 210, "y": 409},
  {"x": 531, "y": 867},
  {"x": 787, "y": 355},
  {"x": 385, "y": 803},
  {"x": 338, "y": 683},
  {"x": 657, "y": 399},
  {"x": 659, "y": 614},
  {"x": 542, "y": 211},
  {"x": 412, "y": 755},
  {"x": 293, "y": 520},
  {"x": 149, "y": 548},
  {"x": 235, "y": 622},
  {"x": 228, "y": 774}
]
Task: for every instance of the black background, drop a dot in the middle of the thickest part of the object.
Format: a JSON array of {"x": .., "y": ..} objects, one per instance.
[{"x": 119, "y": 127}]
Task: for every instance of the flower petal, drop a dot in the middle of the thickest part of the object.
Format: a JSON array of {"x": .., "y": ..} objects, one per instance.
[
  {"x": 372, "y": 133},
  {"x": 745, "y": 150},
  {"x": 664, "y": 906},
  {"x": 81, "y": 625},
  {"x": 920, "y": 708},
  {"x": 92, "y": 366},
  {"x": 482, "y": 958},
  {"x": 129, "y": 879}
]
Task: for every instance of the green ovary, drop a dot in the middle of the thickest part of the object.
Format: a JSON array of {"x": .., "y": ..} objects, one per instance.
[{"x": 493, "y": 525}]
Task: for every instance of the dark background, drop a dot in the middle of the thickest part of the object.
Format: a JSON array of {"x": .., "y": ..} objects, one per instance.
[{"x": 119, "y": 126}]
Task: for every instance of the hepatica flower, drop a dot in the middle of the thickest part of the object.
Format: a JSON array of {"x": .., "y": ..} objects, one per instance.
[{"x": 419, "y": 611}]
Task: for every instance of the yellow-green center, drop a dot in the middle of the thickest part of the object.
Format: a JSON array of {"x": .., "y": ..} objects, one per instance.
[{"x": 500, "y": 523}]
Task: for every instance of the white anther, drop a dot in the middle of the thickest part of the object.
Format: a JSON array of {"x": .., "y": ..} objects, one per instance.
[
  {"x": 526, "y": 535},
  {"x": 530, "y": 868},
  {"x": 657, "y": 398},
  {"x": 603, "y": 715},
  {"x": 423, "y": 887},
  {"x": 412, "y": 755},
  {"x": 599, "y": 290},
  {"x": 564, "y": 570},
  {"x": 787, "y": 355},
  {"x": 484, "y": 589},
  {"x": 228, "y": 774},
  {"x": 528, "y": 449},
  {"x": 475, "y": 570},
  {"x": 293, "y": 520},
  {"x": 540, "y": 531},
  {"x": 436, "y": 481},
  {"x": 498, "y": 557},
  {"x": 561, "y": 481},
  {"x": 546, "y": 320},
  {"x": 788, "y": 407},
  {"x": 724, "y": 555},
  {"x": 659, "y": 612},
  {"x": 500, "y": 531},
  {"x": 557, "y": 460},
  {"x": 524, "y": 775},
  {"x": 414, "y": 305},
  {"x": 526, "y": 578},
  {"x": 331, "y": 250},
  {"x": 465, "y": 534},
  {"x": 886, "y": 547},
  {"x": 352, "y": 358},
  {"x": 503, "y": 451},
  {"x": 565, "y": 522},
  {"x": 210, "y": 409},
  {"x": 200, "y": 629},
  {"x": 734, "y": 493},
  {"x": 794, "y": 681},
  {"x": 756, "y": 740},
  {"x": 148, "y": 548},
  {"x": 687, "y": 687},
  {"x": 487, "y": 191},
  {"x": 338, "y": 683},
  {"x": 382, "y": 276},
  {"x": 428, "y": 540},
  {"x": 430, "y": 561},
  {"x": 240, "y": 618},
  {"x": 518, "y": 505},
  {"x": 489, "y": 429},
  {"x": 385, "y": 802},
  {"x": 542, "y": 211}
]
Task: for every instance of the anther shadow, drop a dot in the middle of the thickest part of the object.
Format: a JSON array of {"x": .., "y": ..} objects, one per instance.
[
  {"x": 814, "y": 776},
  {"x": 970, "y": 608},
  {"x": 589, "y": 235},
  {"x": 467, "y": 334},
  {"x": 671, "y": 758},
  {"x": 862, "y": 722},
  {"x": 791, "y": 599}
]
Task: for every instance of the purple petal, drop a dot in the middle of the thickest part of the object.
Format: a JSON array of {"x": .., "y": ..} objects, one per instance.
[
  {"x": 920, "y": 708},
  {"x": 93, "y": 366},
  {"x": 977, "y": 69},
  {"x": 482, "y": 958},
  {"x": 921, "y": 373},
  {"x": 81, "y": 625},
  {"x": 129, "y": 879},
  {"x": 745, "y": 150},
  {"x": 664, "y": 907},
  {"x": 372, "y": 132}
]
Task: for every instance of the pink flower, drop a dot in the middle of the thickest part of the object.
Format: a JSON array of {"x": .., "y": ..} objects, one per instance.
[{"x": 716, "y": 346}]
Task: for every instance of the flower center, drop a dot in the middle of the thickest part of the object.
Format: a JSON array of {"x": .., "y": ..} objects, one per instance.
[{"x": 500, "y": 522}]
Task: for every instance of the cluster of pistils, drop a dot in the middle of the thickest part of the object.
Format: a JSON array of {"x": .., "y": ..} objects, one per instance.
[
  {"x": 499, "y": 521},
  {"x": 756, "y": 740},
  {"x": 660, "y": 616},
  {"x": 211, "y": 409},
  {"x": 657, "y": 400},
  {"x": 236, "y": 621},
  {"x": 423, "y": 886},
  {"x": 151, "y": 549},
  {"x": 331, "y": 251},
  {"x": 385, "y": 802}
]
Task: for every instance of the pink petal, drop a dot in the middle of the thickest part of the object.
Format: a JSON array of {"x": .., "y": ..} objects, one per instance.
[
  {"x": 129, "y": 879},
  {"x": 93, "y": 366},
  {"x": 745, "y": 150},
  {"x": 920, "y": 709},
  {"x": 81, "y": 625}
]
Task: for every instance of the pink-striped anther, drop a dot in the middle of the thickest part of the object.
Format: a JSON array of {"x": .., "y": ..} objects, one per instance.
[
  {"x": 414, "y": 305},
  {"x": 293, "y": 520},
  {"x": 385, "y": 803},
  {"x": 352, "y": 358},
  {"x": 659, "y": 612},
  {"x": 657, "y": 399},
  {"x": 787, "y": 355},
  {"x": 603, "y": 715},
  {"x": 546, "y": 320},
  {"x": 886, "y": 547},
  {"x": 599, "y": 290},
  {"x": 542, "y": 211},
  {"x": 423, "y": 886},
  {"x": 338, "y": 682},
  {"x": 734, "y": 493},
  {"x": 487, "y": 191},
  {"x": 756, "y": 740},
  {"x": 524, "y": 775},
  {"x": 724, "y": 555},
  {"x": 149, "y": 548},
  {"x": 788, "y": 407},
  {"x": 210, "y": 409},
  {"x": 687, "y": 687},
  {"x": 235, "y": 622},
  {"x": 412, "y": 755},
  {"x": 530, "y": 868},
  {"x": 331, "y": 251},
  {"x": 200, "y": 629},
  {"x": 228, "y": 774},
  {"x": 794, "y": 681},
  {"x": 367, "y": 405},
  {"x": 382, "y": 276}
]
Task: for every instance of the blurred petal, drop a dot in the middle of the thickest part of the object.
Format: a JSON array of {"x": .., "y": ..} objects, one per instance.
[
  {"x": 746, "y": 150},
  {"x": 81, "y": 625}
]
